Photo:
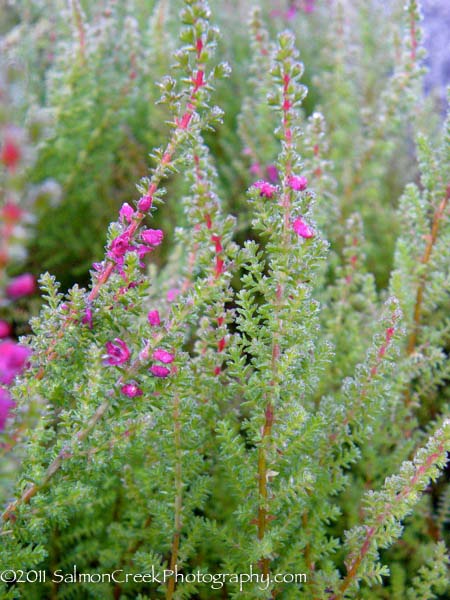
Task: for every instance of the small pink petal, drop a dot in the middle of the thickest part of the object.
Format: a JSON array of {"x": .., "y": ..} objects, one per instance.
[{"x": 302, "y": 229}]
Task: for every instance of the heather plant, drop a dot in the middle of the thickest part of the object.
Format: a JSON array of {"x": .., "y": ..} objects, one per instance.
[{"x": 259, "y": 403}]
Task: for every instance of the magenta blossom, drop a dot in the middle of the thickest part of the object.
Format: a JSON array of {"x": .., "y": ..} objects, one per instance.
[
  {"x": 87, "y": 319},
  {"x": 159, "y": 371},
  {"x": 12, "y": 360},
  {"x": 118, "y": 352},
  {"x": 163, "y": 356},
  {"x": 255, "y": 169},
  {"x": 298, "y": 183},
  {"x": 266, "y": 189},
  {"x": 126, "y": 213},
  {"x": 5, "y": 329},
  {"x": 23, "y": 285},
  {"x": 142, "y": 250},
  {"x": 145, "y": 203},
  {"x": 172, "y": 294},
  {"x": 154, "y": 318},
  {"x": 152, "y": 236},
  {"x": 272, "y": 173},
  {"x": 119, "y": 246},
  {"x": 302, "y": 229},
  {"x": 131, "y": 390},
  {"x": 291, "y": 13},
  {"x": 6, "y": 403}
]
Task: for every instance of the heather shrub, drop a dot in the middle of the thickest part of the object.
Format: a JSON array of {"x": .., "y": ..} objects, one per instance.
[{"x": 259, "y": 387}]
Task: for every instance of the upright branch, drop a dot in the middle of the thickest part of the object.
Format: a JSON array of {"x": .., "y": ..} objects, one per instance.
[
  {"x": 201, "y": 43},
  {"x": 390, "y": 505},
  {"x": 425, "y": 259},
  {"x": 286, "y": 74}
]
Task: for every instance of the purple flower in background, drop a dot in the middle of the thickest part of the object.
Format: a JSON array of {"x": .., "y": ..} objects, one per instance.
[
  {"x": 6, "y": 403},
  {"x": 5, "y": 329},
  {"x": 12, "y": 360},
  {"x": 154, "y": 318},
  {"x": 172, "y": 294},
  {"x": 23, "y": 285},
  {"x": 272, "y": 173}
]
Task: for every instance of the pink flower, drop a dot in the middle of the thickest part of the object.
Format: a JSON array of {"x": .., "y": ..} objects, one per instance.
[
  {"x": 265, "y": 188},
  {"x": 302, "y": 229},
  {"x": 152, "y": 236},
  {"x": 298, "y": 183},
  {"x": 153, "y": 318},
  {"x": 87, "y": 319},
  {"x": 126, "y": 213},
  {"x": 163, "y": 356},
  {"x": 309, "y": 6},
  {"x": 6, "y": 403},
  {"x": 255, "y": 169},
  {"x": 5, "y": 329},
  {"x": 119, "y": 246},
  {"x": 272, "y": 173},
  {"x": 118, "y": 352},
  {"x": 11, "y": 212},
  {"x": 142, "y": 250},
  {"x": 131, "y": 390},
  {"x": 145, "y": 203},
  {"x": 12, "y": 360},
  {"x": 159, "y": 371},
  {"x": 10, "y": 154},
  {"x": 172, "y": 294},
  {"x": 291, "y": 12},
  {"x": 23, "y": 285}
]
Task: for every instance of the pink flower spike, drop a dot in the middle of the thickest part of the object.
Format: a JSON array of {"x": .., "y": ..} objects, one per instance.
[
  {"x": 163, "y": 356},
  {"x": 126, "y": 213},
  {"x": 172, "y": 294},
  {"x": 298, "y": 183},
  {"x": 159, "y": 371},
  {"x": 152, "y": 236},
  {"x": 23, "y": 285},
  {"x": 153, "y": 318},
  {"x": 145, "y": 203},
  {"x": 131, "y": 390},
  {"x": 13, "y": 358},
  {"x": 5, "y": 329},
  {"x": 6, "y": 403},
  {"x": 265, "y": 188},
  {"x": 302, "y": 229},
  {"x": 118, "y": 352}
]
